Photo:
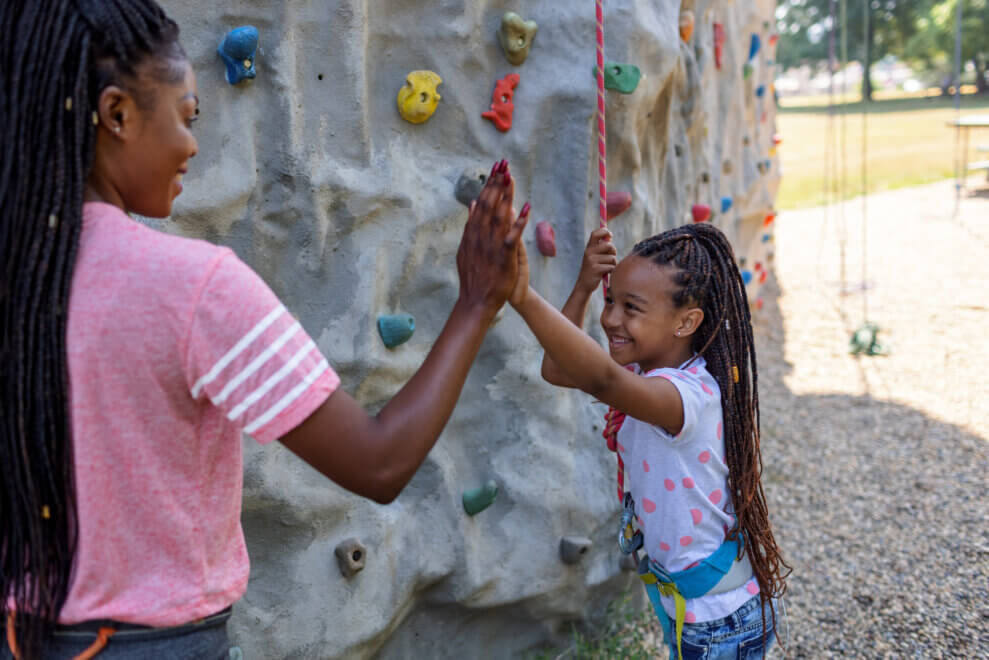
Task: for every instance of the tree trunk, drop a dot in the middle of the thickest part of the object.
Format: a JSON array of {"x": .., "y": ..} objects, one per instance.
[
  {"x": 980, "y": 75},
  {"x": 867, "y": 64}
]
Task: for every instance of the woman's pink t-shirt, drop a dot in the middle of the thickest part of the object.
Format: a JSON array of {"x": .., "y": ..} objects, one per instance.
[{"x": 175, "y": 347}]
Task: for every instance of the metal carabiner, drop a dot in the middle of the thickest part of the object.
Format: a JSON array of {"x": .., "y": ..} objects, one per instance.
[{"x": 629, "y": 539}]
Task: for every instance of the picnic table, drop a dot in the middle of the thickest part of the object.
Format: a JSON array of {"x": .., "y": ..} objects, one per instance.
[{"x": 962, "y": 126}]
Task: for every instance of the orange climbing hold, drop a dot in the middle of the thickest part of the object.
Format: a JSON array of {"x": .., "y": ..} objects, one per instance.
[
  {"x": 686, "y": 25},
  {"x": 769, "y": 220},
  {"x": 617, "y": 203},
  {"x": 502, "y": 107}
]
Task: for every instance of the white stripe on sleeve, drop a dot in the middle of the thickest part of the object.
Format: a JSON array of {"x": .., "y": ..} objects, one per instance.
[
  {"x": 257, "y": 363},
  {"x": 273, "y": 380},
  {"x": 286, "y": 400},
  {"x": 238, "y": 348}
]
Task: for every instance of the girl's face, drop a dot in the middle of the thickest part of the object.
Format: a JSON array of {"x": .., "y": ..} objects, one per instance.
[
  {"x": 143, "y": 149},
  {"x": 640, "y": 319}
]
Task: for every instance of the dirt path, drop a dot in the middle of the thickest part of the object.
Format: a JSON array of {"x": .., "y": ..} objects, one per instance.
[{"x": 877, "y": 468}]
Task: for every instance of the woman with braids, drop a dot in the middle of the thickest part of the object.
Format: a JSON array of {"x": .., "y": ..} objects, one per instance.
[
  {"x": 682, "y": 373},
  {"x": 131, "y": 361}
]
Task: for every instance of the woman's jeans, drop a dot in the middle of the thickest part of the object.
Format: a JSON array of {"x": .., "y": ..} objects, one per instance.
[{"x": 737, "y": 636}]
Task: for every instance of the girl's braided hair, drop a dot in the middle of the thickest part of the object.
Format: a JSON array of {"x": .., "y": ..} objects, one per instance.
[
  {"x": 56, "y": 57},
  {"x": 708, "y": 278}
]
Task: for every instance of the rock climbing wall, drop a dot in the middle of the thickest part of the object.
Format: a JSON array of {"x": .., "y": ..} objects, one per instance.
[{"x": 351, "y": 213}]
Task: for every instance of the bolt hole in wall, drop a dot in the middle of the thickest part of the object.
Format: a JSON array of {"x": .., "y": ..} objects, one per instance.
[
  {"x": 319, "y": 77},
  {"x": 357, "y": 555}
]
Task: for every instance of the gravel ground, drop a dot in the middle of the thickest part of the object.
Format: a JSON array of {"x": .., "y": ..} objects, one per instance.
[{"x": 876, "y": 468}]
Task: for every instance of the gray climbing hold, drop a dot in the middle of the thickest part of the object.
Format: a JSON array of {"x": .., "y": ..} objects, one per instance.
[
  {"x": 678, "y": 150},
  {"x": 705, "y": 177},
  {"x": 469, "y": 186},
  {"x": 726, "y": 167},
  {"x": 572, "y": 548},
  {"x": 351, "y": 555},
  {"x": 234, "y": 653},
  {"x": 396, "y": 329},
  {"x": 478, "y": 499}
]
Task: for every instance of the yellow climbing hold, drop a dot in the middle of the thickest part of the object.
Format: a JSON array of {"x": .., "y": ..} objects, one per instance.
[{"x": 418, "y": 98}]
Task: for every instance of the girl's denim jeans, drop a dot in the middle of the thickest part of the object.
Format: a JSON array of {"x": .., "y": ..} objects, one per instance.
[{"x": 737, "y": 636}]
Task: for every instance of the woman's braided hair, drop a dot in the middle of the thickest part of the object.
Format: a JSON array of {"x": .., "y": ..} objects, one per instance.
[
  {"x": 708, "y": 278},
  {"x": 56, "y": 57}
]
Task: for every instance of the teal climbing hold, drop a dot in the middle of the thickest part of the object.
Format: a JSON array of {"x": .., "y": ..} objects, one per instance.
[
  {"x": 479, "y": 499},
  {"x": 726, "y": 203},
  {"x": 619, "y": 77},
  {"x": 396, "y": 329},
  {"x": 865, "y": 341}
]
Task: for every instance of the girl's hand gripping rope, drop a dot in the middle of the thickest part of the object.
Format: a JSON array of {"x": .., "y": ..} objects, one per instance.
[
  {"x": 600, "y": 258},
  {"x": 487, "y": 260}
]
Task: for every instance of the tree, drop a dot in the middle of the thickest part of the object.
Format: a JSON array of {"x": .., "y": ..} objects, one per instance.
[
  {"x": 804, "y": 26},
  {"x": 934, "y": 40}
]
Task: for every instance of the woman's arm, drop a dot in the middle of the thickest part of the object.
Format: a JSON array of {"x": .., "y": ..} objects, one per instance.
[
  {"x": 590, "y": 368},
  {"x": 377, "y": 456}
]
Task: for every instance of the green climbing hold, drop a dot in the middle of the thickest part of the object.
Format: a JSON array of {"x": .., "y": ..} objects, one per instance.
[
  {"x": 746, "y": 70},
  {"x": 619, "y": 77},
  {"x": 479, "y": 499},
  {"x": 396, "y": 329},
  {"x": 865, "y": 341}
]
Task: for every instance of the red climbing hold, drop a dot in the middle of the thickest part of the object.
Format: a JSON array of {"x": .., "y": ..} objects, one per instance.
[
  {"x": 701, "y": 212},
  {"x": 501, "y": 102},
  {"x": 773, "y": 38},
  {"x": 769, "y": 220},
  {"x": 777, "y": 139},
  {"x": 617, "y": 203},
  {"x": 719, "y": 42},
  {"x": 763, "y": 276},
  {"x": 758, "y": 303},
  {"x": 546, "y": 239}
]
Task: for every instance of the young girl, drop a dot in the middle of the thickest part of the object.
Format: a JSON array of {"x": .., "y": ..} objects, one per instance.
[
  {"x": 682, "y": 371},
  {"x": 131, "y": 361}
]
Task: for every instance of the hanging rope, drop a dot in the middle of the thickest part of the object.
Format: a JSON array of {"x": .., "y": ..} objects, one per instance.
[
  {"x": 960, "y": 165},
  {"x": 865, "y": 159}
]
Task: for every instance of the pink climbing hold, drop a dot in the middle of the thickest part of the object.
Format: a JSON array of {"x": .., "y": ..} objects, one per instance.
[
  {"x": 502, "y": 107},
  {"x": 719, "y": 43},
  {"x": 546, "y": 239},
  {"x": 648, "y": 505},
  {"x": 715, "y": 497},
  {"x": 697, "y": 516},
  {"x": 617, "y": 202},
  {"x": 701, "y": 212}
]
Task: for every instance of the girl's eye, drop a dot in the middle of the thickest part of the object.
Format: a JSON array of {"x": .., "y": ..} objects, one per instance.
[
  {"x": 608, "y": 300},
  {"x": 632, "y": 307}
]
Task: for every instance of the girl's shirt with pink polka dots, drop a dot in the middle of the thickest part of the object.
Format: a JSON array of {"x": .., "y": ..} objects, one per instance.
[{"x": 680, "y": 486}]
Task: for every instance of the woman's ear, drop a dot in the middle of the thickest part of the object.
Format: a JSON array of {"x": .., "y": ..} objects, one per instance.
[
  {"x": 117, "y": 112},
  {"x": 690, "y": 320}
]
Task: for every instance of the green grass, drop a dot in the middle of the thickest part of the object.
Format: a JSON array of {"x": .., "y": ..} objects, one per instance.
[{"x": 908, "y": 144}]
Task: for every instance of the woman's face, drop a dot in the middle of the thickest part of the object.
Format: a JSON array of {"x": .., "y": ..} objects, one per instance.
[{"x": 143, "y": 148}]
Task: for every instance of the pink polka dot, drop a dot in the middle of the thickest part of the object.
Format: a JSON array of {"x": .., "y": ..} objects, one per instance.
[
  {"x": 693, "y": 370},
  {"x": 696, "y": 515},
  {"x": 694, "y": 565},
  {"x": 686, "y": 540},
  {"x": 719, "y": 430},
  {"x": 669, "y": 484},
  {"x": 752, "y": 588},
  {"x": 707, "y": 390},
  {"x": 645, "y": 465},
  {"x": 666, "y": 377},
  {"x": 715, "y": 496},
  {"x": 620, "y": 447},
  {"x": 648, "y": 505},
  {"x": 688, "y": 482},
  {"x": 665, "y": 547},
  {"x": 704, "y": 457},
  {"x": 641, "y": 522},
  {"x": 690, "y": 617}
]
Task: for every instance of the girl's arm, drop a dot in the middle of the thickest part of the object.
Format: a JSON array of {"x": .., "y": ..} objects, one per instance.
[
  {"x": 590, "y": 368},
  {"x": 600, "y": 258},
  {"x": 376, "y": 456}
]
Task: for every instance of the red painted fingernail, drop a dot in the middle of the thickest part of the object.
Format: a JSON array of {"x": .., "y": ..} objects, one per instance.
[
  {"x": 525, "y": 210},
  {"x": 504, "y": 166},
  {"x": 494, "y": 169}
]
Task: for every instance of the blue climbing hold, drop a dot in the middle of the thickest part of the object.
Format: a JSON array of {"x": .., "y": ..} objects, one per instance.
[
  {"x": 765, "y": 238},
  {"x": 238, "y": 50},
  {"x": 396, "y": 329},
  {"x": 754, "y": 45},
  {"x": 746, "y": 276},
  {"x": 760, "y": 91},
  {"x": 726, "y": 204}
]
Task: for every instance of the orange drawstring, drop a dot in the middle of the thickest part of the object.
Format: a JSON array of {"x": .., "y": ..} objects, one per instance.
[{"x": 102, "y": 637}]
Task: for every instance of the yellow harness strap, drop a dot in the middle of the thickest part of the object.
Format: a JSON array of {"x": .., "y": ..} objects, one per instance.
[{"x": 670, "y": 589}]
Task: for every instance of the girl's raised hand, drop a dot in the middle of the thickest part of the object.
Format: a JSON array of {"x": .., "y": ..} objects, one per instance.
[
  {"x": 487, "y": 260},
  {"x": 522, "y": 280},
  {"x": 600, "y": 258}
]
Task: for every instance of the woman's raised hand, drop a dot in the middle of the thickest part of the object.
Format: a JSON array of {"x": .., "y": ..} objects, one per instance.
[
  {"x": 487, "y": 260},
  {"x": 600, "y": 258}
]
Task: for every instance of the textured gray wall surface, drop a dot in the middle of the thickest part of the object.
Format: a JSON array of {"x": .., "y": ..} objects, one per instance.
[{"x": 309, "y": 173}]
